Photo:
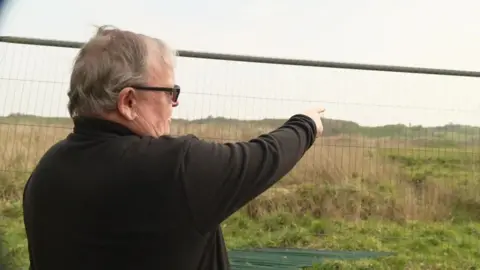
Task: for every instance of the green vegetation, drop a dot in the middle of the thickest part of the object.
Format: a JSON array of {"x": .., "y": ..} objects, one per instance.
[
  {"x": 419, "y": 245},
  {"x": 414, "y": 191}
]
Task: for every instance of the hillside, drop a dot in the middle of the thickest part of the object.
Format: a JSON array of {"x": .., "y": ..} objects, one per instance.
[{"x": 450, "y": 135}]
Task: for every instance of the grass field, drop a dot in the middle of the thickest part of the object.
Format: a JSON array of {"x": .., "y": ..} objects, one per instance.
[{"x": 411, "y": 190}]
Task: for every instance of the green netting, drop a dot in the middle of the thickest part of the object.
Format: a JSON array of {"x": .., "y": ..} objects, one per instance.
[{"x": 277, "y": 258}]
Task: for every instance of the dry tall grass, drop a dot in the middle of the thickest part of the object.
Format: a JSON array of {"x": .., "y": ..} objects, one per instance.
[{"x": 341, "y": 177}]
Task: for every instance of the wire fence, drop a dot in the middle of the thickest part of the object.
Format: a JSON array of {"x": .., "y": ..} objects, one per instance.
[
  {"x": 387, "y": 125},
  {"x": 396, "y": 147}
]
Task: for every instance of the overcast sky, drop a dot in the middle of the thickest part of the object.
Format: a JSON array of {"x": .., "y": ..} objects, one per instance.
[{"x": 427, "y": 33}]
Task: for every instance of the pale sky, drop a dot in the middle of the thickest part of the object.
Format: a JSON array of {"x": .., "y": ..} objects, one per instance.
[{"x": 427, "y": 33}]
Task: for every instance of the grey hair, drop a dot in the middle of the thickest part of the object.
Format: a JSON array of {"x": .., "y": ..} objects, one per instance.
[{"x": 110, "y": 61}]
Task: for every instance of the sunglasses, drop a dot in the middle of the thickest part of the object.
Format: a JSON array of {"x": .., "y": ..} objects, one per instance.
[{"x": 175, "y": 90}]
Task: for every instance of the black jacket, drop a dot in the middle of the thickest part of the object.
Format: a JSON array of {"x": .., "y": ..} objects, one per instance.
[{"x": 105, "y": 198}]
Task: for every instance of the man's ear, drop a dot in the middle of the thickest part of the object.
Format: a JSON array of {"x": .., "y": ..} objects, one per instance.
[{"x": 127, "y": 103}]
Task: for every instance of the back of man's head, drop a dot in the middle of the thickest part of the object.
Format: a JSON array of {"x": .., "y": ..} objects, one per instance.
[{"x": 111, "y": 60}]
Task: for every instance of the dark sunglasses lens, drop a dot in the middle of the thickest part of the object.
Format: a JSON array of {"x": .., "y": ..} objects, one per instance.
[
  {"x": 176, "y": 93},
  {"x": 174, "y": 96}
]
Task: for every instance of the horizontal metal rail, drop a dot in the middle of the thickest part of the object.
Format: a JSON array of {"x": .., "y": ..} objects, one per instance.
[{"x": 263, "y": 60}]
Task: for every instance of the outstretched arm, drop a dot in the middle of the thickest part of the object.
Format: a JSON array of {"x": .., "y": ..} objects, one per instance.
[{"x": 221, "y": 178}]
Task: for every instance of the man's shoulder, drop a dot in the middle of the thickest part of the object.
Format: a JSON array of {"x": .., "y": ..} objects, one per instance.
[
  {"x": 164, "y": 142},
  {"x": 142, "y": 148},
  {"x": 131, "y": 148}
]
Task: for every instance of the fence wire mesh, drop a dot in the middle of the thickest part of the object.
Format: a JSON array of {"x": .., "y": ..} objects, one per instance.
[{"x": 396, "y": 170}]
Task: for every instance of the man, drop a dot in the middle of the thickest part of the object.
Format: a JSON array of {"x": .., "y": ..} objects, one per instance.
[{"x": 120, "y": 193}]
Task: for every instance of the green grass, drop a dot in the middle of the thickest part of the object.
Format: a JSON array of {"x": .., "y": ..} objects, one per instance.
[
  {"x": 11, "y": 225},
  {"x": 418, "y": 245},
  {"x": 439, "y": 164}
]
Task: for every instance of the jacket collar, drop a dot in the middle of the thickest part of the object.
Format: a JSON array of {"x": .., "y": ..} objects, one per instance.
[{"x": 97, "y": 126}]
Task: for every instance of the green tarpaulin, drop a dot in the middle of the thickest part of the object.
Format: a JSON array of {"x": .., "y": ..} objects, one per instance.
[{"x": 277, "y": 258}]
